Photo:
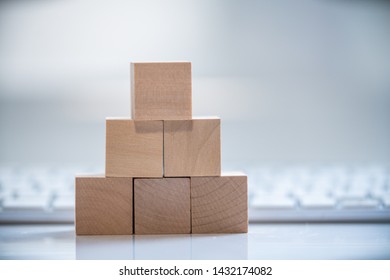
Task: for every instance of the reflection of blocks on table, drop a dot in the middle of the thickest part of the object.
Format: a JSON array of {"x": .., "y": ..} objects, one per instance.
[
  {"x": 104, "y": 205},
  {"x": 219, "y": 204},
  {"x": 162, "y": 247},
  {"x": 162, "y": 206},
  {"x": 219, "y": 247},
  {"x": 101, "y": 247},
  {"x": 192, "y": 147},
  {"x": 134, "y": 148},
  {"x": 161, "y": 91}
]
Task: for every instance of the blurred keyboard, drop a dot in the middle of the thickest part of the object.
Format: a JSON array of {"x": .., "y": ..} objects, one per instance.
[
  {"x": 319, "y": 194},
  {"x": 37, "y": 195},
  {"x": 276, "y": 194}
]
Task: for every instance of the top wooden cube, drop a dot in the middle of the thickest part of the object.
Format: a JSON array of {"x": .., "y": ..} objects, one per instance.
[{"x": 161, "y": 90}]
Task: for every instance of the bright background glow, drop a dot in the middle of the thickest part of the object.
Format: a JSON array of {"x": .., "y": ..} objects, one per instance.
[{"x": 293, "y": 81}]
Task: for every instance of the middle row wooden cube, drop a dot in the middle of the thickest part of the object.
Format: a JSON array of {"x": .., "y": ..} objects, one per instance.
[{"x": 173, "y": 148}]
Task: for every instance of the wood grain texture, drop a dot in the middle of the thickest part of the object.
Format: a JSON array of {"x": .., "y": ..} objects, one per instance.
[
  {"x": 192, "y": 147},
  {"x": 134, "y": 148},
  {"x": 219, "y": 204},
  {"x": 104, "y": 205},
  {"x": 162, "y": 206},
  {"x": 161, "y": 90}
]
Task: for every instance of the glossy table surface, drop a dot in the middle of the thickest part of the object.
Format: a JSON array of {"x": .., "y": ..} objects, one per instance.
[{"x": 264, "y": 241}]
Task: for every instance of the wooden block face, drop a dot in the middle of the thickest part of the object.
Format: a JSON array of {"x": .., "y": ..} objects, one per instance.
[
  {"x": 104, "y": 205},
  {"x": 134, "y": 148},
  {"x": 162, "y": 206},
  {"x": 192, "y": 147},
  {"x": 161, "y": 90},
  {"x": 219, "y": 204}
]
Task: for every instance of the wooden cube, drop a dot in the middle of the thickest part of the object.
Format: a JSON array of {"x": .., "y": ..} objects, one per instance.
[
  {"x": 104, "y": 205},
  {"x": 219, "y": 204},
  {"x": 162, "y": 206},
  {"x": 134, "y": 148},
  {"x": 192, "y": 147},
  {"x": 161, "y": 90}
]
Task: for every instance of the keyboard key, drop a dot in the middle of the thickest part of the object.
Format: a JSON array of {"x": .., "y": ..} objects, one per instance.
[
  {"x": 32, "y": 193},
  {"x": 4, "y": 196},
  {"x": 64, "y": 203},
  {"x": 25, "y": 204},
  {"x": 386, "y": 201},
  {"x": 273, "y": 202},
  {"x": 29, "y": 197},
  {"x": 359, "y": 203},
  {"x": 318, "y": 202},
  {"x": 352, "y": 194},
  {"x": 65, "y": 192},
  {"x": 379, "y": 193}
]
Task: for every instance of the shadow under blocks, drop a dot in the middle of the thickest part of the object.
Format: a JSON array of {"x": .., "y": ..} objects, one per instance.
[{"x": 163, "y": 167}]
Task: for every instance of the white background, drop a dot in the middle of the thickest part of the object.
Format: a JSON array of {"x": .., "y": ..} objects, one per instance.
[{"x": 293, "y": 81}]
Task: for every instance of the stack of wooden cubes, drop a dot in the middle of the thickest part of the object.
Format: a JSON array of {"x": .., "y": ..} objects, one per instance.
[{"x": 163, "y": 167}]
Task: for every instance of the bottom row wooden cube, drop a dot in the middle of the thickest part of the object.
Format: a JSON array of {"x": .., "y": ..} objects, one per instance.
[
  {"x": 219, "y": 204},
  {"x": 161, "y": 205},
  {"x": 104, "y": 205}
]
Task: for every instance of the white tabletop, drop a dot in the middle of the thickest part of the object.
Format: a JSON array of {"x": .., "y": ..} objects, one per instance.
[{"x": 264, "y": 241}]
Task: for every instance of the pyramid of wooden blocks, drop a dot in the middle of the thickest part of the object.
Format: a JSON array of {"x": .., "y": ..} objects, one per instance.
[{"x": 163, "y": 167}]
